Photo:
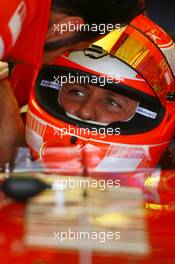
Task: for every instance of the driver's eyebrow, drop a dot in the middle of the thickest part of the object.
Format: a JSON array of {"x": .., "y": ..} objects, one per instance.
[
  {"x": 80, "y": 84},
  {"x": 111, "y": 93},
  {"x": 85, "y": 85}
]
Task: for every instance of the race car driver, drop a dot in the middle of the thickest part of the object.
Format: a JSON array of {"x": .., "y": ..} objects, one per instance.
[
  {"x": 134, "y": 106},
  {"x": 29, "y": 26}
]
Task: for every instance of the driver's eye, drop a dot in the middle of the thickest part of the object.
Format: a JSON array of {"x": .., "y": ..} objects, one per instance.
[
  {"x": 77, "y": 92},
  {"x": 112, "y": 104}
]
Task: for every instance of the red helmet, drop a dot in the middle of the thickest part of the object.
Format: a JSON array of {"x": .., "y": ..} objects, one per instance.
[{"x": 139, "y": 61}]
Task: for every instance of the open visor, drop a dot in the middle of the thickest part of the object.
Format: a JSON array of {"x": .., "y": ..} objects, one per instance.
[{"x": 148, "y": 114}]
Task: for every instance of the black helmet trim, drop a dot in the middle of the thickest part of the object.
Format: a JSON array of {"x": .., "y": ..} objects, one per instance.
[{"x": 47, "y": 89}]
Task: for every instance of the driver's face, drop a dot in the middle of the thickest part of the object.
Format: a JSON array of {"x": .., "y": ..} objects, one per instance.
[{"x": 93, "y": 103}]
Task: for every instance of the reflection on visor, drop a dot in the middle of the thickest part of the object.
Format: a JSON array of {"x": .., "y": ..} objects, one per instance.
[
  {"x": 138, "y": 51},
  {"x": 139, "y": 55}
]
